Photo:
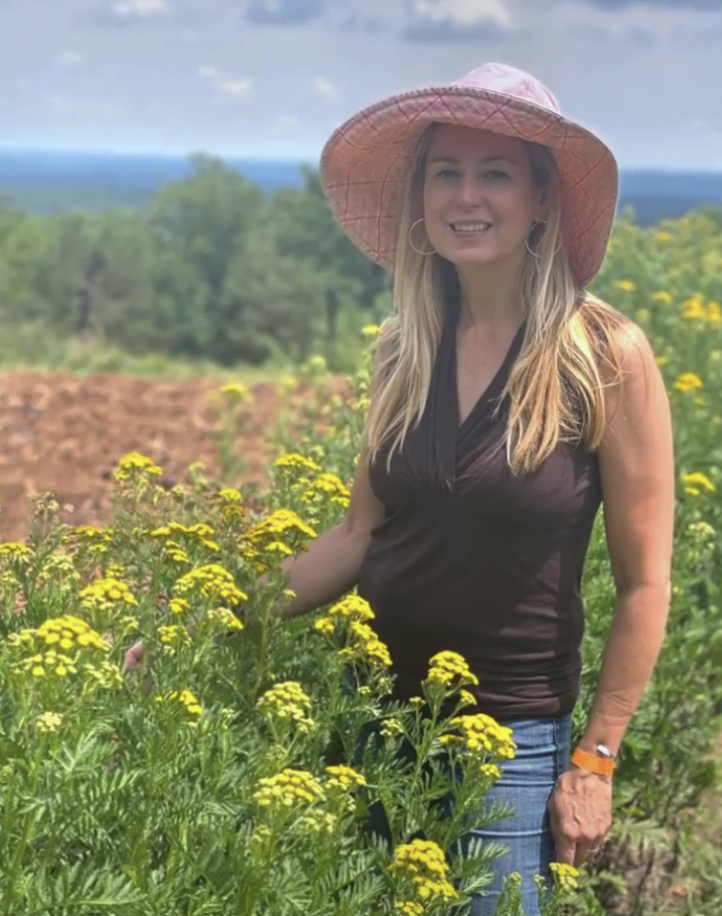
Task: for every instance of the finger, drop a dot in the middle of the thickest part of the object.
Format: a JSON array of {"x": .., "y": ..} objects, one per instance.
[
  {"x": 566, "y": 851},
  {"x": 582, "y": 854},
  {"x": 134, "y": 656}
]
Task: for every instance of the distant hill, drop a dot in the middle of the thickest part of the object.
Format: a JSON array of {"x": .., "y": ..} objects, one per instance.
[{"x": 53, "y": 182}]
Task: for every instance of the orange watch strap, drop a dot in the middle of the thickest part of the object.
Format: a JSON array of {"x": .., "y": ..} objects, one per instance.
[{"x": 601, "y": 765}]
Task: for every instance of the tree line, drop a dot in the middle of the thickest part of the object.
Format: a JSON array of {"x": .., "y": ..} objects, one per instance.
[{"x": 211, "y": 268}]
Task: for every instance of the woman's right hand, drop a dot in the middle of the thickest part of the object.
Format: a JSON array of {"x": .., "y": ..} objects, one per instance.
[{"x": 134, "y": 656}]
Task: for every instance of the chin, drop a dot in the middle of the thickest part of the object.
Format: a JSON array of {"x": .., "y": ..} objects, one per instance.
[{"x": 472, "y": 258}]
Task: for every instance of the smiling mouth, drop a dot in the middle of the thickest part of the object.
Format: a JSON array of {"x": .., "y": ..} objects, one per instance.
[{"x": 470, "y": 228}]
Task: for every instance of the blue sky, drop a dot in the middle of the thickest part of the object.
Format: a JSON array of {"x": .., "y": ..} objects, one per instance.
[{"x": 273, "y": 78}]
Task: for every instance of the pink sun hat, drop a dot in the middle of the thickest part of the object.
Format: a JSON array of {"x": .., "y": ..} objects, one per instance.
[{"x": 366, "y": 160}]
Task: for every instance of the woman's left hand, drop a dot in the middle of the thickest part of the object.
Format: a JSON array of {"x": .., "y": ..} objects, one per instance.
[{"x": 580, "y": 809}]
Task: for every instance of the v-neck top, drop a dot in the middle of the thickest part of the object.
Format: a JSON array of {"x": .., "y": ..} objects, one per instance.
[{"x": 472, "y": 558}]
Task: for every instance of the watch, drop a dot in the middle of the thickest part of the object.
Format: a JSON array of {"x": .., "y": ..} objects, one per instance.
[{"x": 604, "y": 762}]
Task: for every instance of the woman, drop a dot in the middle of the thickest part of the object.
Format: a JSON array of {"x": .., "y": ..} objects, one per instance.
[
  {"x": 507, "y": 405},
  {"x": 535, "y": 402}
]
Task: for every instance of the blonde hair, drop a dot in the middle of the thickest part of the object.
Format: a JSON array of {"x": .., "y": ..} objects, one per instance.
[{"x": 556, "y": 388}]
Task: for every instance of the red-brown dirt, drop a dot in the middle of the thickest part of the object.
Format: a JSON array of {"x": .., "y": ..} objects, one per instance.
[{"x": 65, "y": 434}]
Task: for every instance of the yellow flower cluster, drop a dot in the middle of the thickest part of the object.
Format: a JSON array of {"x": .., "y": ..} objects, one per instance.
[
  {"x": 450, "y": 671},
  {"x": 696, "y": 482},
  {"x": 288, "y": 789},
  {"x": 282, "y": 533},
  {"x": 186, "y": 698},
  {"x": 211, "y": 581},
  {"x": 688, "y": 381},
  {"x": 51, "y": 664},
  {"x": 66, "y": 632},
  {"x": 316, "y": 822},
  {"x": 352, "y": 607},
  {"x": 566, "y": 876},
  {"x": 695, "y": 309},
  {"x": 411, "y": 908},
  {"x": 287, "y": 702},
  {"x": 16, "y": 549},
  {"x": 364, "y": 645},
  {"x": 422, "y": 861},
  {"x": 328, "y": 485},
  {"x": 295, "y": 462},
  {"x": 237, "y": 392},
  {"x": 225, "y": 619},
  {"x": 230, "y": 498},
  {"x": 103, "y": 675},
  {"x": 104, "y": 593},
  {"x": 48, "y": 722},
  {"x": 198, "y": 534},
  {"x": 343, "y": 779},
  {"x": 481, "y": 735},
  {"x": 174, "y": 636},
  {"x": 134, "y": 462}
]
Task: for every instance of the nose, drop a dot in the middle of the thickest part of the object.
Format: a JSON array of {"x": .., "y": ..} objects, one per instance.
[{"x": 470, "y": 190}]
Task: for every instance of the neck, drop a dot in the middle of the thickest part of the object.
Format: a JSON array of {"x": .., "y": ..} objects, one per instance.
[{"x": 490, "y": 298}]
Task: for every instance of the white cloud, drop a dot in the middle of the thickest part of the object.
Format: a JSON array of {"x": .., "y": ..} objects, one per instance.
[
  {"x": 464, "y": 12},
  {"x": 323, "y": 87},
  {"x": 233, "y": 88},
  {"x": 238, "y": 89},
  {"x": 141, "y": 8}
]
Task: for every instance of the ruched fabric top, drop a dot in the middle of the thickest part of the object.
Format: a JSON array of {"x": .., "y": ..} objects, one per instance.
[{"x": 472, "y": 558}]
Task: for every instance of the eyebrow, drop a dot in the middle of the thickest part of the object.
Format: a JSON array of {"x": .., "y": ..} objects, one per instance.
[{"x": 484, "y": 161}]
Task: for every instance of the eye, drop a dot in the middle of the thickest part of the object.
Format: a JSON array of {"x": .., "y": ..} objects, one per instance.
[
  {"x": 496, "y": 175},
  {"x": 446, "y": 173}
]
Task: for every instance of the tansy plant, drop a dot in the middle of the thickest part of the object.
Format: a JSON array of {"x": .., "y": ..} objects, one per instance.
[{"x": 220, "y": 775}]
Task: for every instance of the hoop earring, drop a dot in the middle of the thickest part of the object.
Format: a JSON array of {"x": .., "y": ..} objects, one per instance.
[
  {"x": 534, "y": 254},
  {"x": 411, "y": 242}
]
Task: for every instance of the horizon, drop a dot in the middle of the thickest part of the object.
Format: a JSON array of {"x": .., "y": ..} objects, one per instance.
[{"x": 175, "y": 156}]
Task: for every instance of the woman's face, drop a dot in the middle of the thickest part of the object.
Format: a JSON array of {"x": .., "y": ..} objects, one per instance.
[{"x": 479, "y": 199}]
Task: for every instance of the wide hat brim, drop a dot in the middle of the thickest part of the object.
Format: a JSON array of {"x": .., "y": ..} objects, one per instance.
[{"x": 365, "y": 162}]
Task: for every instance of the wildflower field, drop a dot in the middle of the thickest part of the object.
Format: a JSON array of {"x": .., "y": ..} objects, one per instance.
[{"x": 224, "y": 774}]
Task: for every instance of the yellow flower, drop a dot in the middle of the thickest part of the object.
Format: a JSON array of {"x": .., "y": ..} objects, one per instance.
[
  {"x": 287, "y": 702},
  {"x": 450, "y": 668},
  {"x": 566, "y": 876},
  {"x": 714, "y": 313},
  {"x": 662, "y": 296},
  {"x": 133, "y": 464},
  {"x": 481, "y": 735},
  {"x": 343, "y": 778},
  {"x": 693, "y": 309},
  {"x": 627, "y": 285},
  {"x": 695, "y": 482},
  {"x": 236, "y": 392},
  {"x": 371, "y": 331},
  {"x": 423, "y": 863},
  {"x": 664, "y": 237},
  {"x": 186, "y": 698},
  {"x": 295, "y": 462},
  {"x": 289, "y": 789},
  {"x": 48, "y": 722},
  {"x": 688, "y": 381}
]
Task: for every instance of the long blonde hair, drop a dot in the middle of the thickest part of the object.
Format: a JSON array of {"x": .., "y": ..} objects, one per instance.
[{"x": 556, "y": 388}]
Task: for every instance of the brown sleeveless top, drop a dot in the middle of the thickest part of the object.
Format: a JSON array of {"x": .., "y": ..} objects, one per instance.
[{"x": 473, "y": 559}]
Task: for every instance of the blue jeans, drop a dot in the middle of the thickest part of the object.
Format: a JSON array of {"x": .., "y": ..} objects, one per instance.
[{"x": 542, "y": 754}]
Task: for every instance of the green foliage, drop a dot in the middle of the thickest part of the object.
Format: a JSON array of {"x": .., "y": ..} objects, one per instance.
[{"x": 210, "y": 269}]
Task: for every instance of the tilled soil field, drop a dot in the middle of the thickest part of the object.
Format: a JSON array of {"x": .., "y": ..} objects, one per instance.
[{"x": 65, "y": 434}]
